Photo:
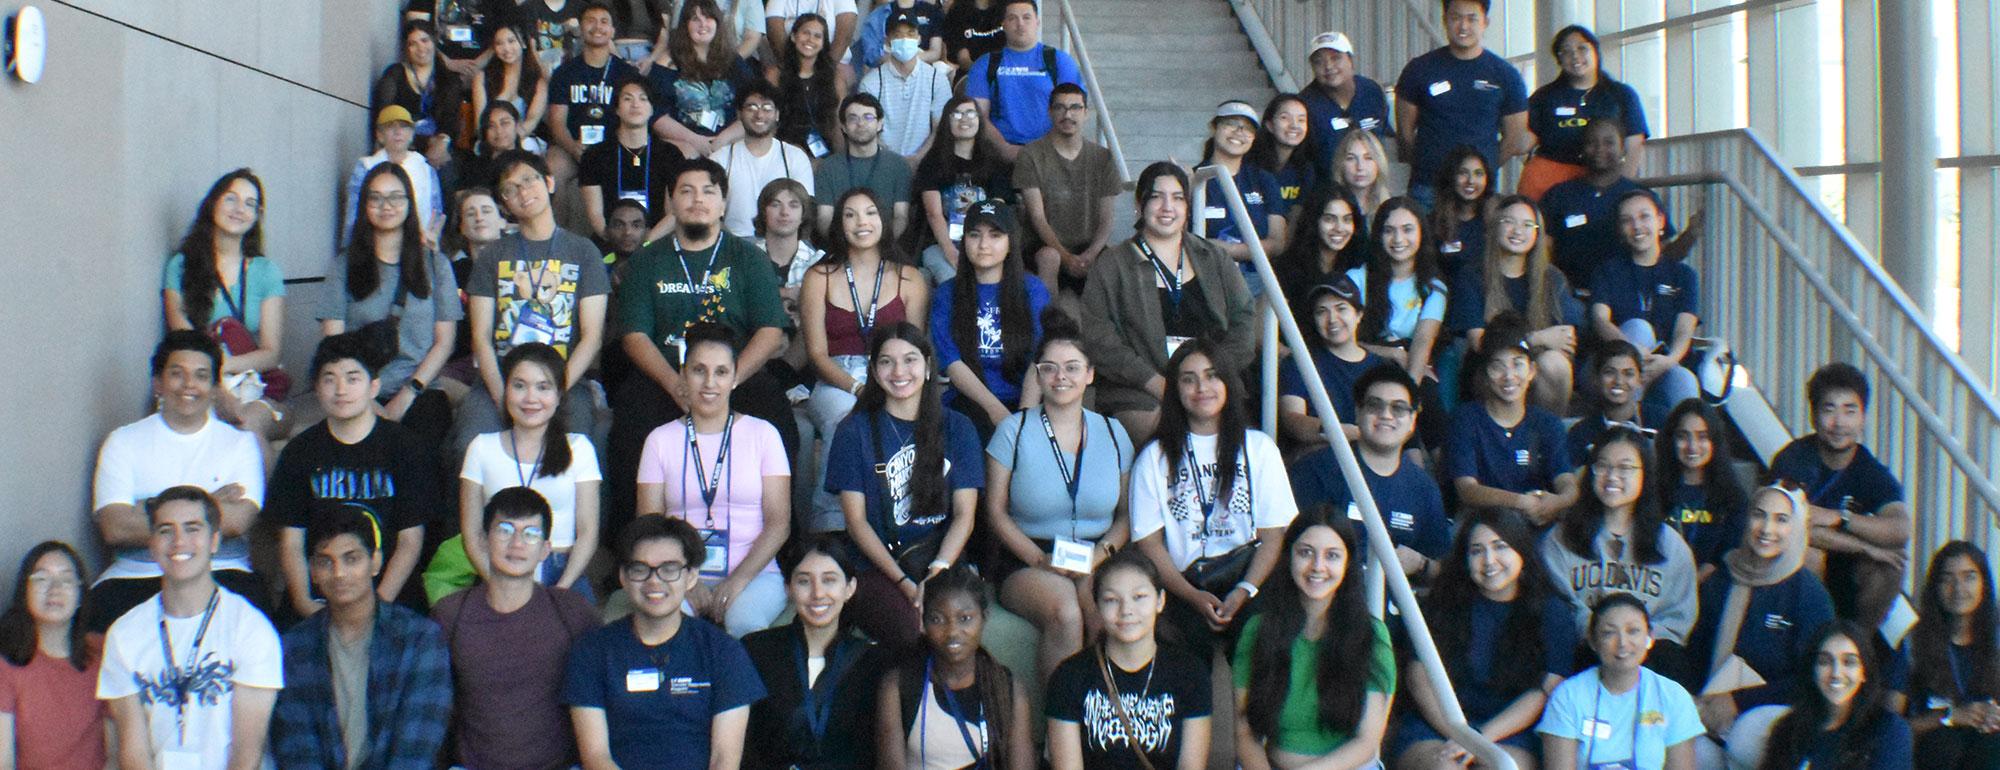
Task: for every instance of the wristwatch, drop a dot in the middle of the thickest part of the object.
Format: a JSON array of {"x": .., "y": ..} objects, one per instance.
[
  {"x": 1846, "y": 517},
  {"x": 416, "y": 386}
]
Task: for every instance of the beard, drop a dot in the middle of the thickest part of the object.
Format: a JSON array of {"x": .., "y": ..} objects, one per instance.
[{"x": 696, "y": 232}]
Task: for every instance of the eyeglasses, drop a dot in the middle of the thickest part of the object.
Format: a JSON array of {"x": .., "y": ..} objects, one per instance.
[
  {"x": 51, "y": 582},
  {"x": 517, "y": 189},
  {"x": 1070, "y": 369},
  {"x": 1400, "y": 410},
  {"x": 1523, "y": 223},
  {"x": 639, "y": 572},
  {"x": 389, "y": 201},
  {"x": 1069, "y": 108},
  {"x": 526, "y": 533},
  {"x": 760, "y": 107}
]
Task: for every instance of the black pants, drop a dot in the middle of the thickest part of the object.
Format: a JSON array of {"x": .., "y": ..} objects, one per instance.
[
  {"x": 640, "y": 406},
  {"x": 111, "y": 599},
  {"x": 1958, "y": 748}
]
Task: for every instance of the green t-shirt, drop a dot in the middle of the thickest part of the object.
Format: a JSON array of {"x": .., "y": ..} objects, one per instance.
[
  {"x": 666, "y": 291},
  {"x": 1299, "y": 729}
]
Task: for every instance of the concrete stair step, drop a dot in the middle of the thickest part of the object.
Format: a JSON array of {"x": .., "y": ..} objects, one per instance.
[{"x": 1106, "y": 45}]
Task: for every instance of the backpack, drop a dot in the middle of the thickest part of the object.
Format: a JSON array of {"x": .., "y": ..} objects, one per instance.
[{"x": 993, "y": 76}]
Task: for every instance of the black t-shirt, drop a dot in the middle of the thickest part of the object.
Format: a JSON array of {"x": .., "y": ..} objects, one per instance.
[
  {"x": 968, "y": 28},
  {"x": 622, "y": 172},
  {"x": 1159, "y": 698},
  {"x": 588, "y": 92},
  {"x": 959, "y": 183},
  {"x": 435, "y": 106},
  {"x": 845, "y": 689},
  {"x": 387, "y": 472}
]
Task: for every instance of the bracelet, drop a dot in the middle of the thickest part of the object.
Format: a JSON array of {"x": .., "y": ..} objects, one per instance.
[
  {"x": 906, "y": 576},
  {"x": 416, "y": 385},
  {"x": 1249, "y": 588},
  {"x": 855, "y": 389}
]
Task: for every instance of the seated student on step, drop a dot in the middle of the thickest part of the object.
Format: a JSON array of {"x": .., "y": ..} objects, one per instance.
[
  {"x": 660, "y": 688},
  {"x": 821, "y": 675},
  {"x": 510, "y": 640},
  {"x": 1651, "y": 299},
  {"x": 631, "y": 164},
  {"x": 1616, "y": 401},
  {"x": 1459, "y": 93},
  {"x": 863, "y": 161},
  {"x": 1055, "y": 497},
  {"x": 961, "y": 168},
  {"x": 908, "y": 474},
  {"x": 808, "y": 85},
  {"x": 1505, "y": 452},
  {"x": 1314, "y": 673},
  {"x": 353, "y": 458},
  {"x": 1012, "y": 84},
  {"x": 727, "y": 474},
  {"x": 953, "y": 706},
  {"x": 1705, "y": 496},
  {"x": 987, "y": 320},
  {"x": 1955, "y": 678},
  {"x": 1562, "y": 110},
  {"x": 1149, "y": 295},
  {"x": 1069, "y": 189},
  {"x": 48, "y": 666},
  {"x": 398, "y": 715},
  {"x": 1401, "y": 283},
  {"x": 1341, "y": 361},
  {"x": 1407, "y": 496},
  {"x": 1230, "y": 135},
  {"x": 1465, "y": 206},
  {"x": 1616, "y": 540},
  {"x": 1282, "y": 149},
  {"x": 220, "y": 282},
  {"x": 1582, "y": 214},
  {"x": 1128, "y": 697},
  {"x": 1859, "y": 519},
  {"x": 1515, "y": 275},
  {"x": 1619, "y": 713},
  {"x": 1327, "y": 242},
  {"x": 1844, "y": 721}
]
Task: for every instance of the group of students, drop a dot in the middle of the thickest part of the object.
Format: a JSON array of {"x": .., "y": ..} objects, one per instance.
[{"x": 1027, "y": 414}]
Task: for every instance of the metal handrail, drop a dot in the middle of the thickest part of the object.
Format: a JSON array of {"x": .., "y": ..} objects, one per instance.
[
  {"x": 1073, "y": 42},
  {"x": 1934, "y": 400},
  {"x": 1381, "y": 549}
]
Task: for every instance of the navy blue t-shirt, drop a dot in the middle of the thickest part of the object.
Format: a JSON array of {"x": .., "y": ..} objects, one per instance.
[
  {"x": 1522, "y": 459},
  {"x": 1409, "y": 500},
  {"x": 1261, "y": 196},
  {"x": 1465, "y": 248},
  {"x": 1586, "y": 431},
  {"x": 1467, "y": 309},
  {"x": 589, "y": 92},
  {"x": 1558, "y": 114},
  {"x": 1486, "y": 640},
  {"x": 1775, "y": 638},
  {"x": 1294, "y": 181},
  {"x": 1863, "y": 487},
  {"x": 1658, "y": 293},
  {"x": 1336, "y": 374},
  {"x": 1709, "y": 533},
  {"x": 1583, "y": 221},
  {"x": 1327, "y": 122},
  {"x": 878, "y": 462},
  {"x": 658, "y": 701},
  {"x": 1458, "y": 102}
]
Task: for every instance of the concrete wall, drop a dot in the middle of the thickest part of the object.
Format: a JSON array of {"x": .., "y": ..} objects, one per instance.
[{"x": 143, "y": 104}]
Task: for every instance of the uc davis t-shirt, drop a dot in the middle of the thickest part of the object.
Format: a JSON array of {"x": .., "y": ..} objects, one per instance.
[
  {"x": 658, "y": 700},
  {"x": 876, "y": 454},
  {"x": 1459, "y": 101},
  {"x": 1021, "y": 109}
]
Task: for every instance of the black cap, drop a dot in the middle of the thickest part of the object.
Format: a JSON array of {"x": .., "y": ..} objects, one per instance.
[
  {"x": 1342, "y": 288},
  {"x": 992, "y": 211}
]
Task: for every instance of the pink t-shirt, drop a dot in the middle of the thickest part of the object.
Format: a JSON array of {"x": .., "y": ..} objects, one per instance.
[
  {"x": 58, "y": 720},
  {"x": 755, "y": 451}
]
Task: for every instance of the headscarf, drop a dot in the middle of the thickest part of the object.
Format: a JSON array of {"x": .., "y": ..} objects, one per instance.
[{"x": 1748, "y": 572}]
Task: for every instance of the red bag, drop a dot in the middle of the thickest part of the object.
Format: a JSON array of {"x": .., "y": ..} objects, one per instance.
[{"x": 236, "y": 338}]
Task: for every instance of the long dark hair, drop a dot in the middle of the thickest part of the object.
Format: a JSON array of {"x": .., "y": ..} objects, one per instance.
[
  {"x": 820, "y": 94},
  {"x": 1264, "y": 150},
  {"x": 1150, "y": 176},
  {"x": 363, "y": 277},
  {"x": 1232, "y": 432},
  {"x": 1450, "y": 208},
  {"x": 1581, "y": 523},
  {"x": 555, "y": 439},
  {"x": 994, "y": 681},
  {"x": 496, "y": 70},
  {"x": 1379, "y": 272},
  {"x": 837, "y": 247},
  {"x": 1301, "y": 255},
  {"x": 1017, "y": 323},
  {"x": 1542, "y": 311},
  {"x": 1724, "y": 492},
  {"x": 1792, "y": 737},
  {"x": 927, "y": 482},
  {"x": 1930, "y": 639},
  {"x": 985, "y": 157},
  {"x": 1454, "y": 594},
  {"x": 199, "y": 280},
  {"x": 1343, "y": 660},
  {"x": 721, "y": 51},
  {"x": 18, "y": 636}
]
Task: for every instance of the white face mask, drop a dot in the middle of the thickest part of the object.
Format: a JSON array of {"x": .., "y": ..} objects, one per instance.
[{"x": 903, "y": 48}]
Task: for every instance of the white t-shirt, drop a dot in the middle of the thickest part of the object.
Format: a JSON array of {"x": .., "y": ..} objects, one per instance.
[
  {"x": 748, "y": 174},
  {"x": 142, "y": 459},
  {"x": 240, "y": 649},
  {"x": 488, "y": 465},
  {"x": 1261, "y": 498},
  {"x": 827, "y": 9}
]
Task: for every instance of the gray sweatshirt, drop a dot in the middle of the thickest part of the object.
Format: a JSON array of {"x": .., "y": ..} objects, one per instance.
[{"x": 1667, "y": 587}]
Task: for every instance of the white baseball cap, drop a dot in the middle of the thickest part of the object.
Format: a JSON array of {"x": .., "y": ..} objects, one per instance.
[
  {"x": 1331, "y": 41},
  {"x": 1236, "y": 108}
]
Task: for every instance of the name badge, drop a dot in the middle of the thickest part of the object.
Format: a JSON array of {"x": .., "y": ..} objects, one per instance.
[
  {"x": 715, "y": 546},
  {"x": 955, "y": 231},
  {"x": 1440, "y": 87},
  {"x": 1174, "y": 343},
  {"x": 1341, "y": 124},
  {"x": 1597, "y": 729},
  {"x": 589, "y": 135},
  {"x": 1618, "y": 765},
  {"x": 179, "y": 760},
  {"x": 1576, "y": 220},
  {"x": 1451, "y": 247},
  {"x": 1565, "y": 111},
  {"x": 816, "y": 145},
  {"x": 1072, "y": 556},
  {"x": 1354, "y": 511},
  {"x": 634, "y": 195},
  {"x": 458, "y": 33},
  {"x": 1214, "y": 212},
  {"x": 642, "y": 680}
]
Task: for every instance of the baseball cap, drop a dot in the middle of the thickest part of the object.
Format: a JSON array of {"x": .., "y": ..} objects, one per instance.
[
  {"x": 1342, "y": 288},
  {"x": 394, "y": 113},
  {"x": 993, "y": 212},
  {"x": 1236, "y": 108},
  {"x": 1331, "y": 41}
]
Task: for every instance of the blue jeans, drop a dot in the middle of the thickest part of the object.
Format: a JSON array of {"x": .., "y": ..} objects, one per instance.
[
  {"x": 552, "y": 572},
  {"x": 1677, "y": 385}
]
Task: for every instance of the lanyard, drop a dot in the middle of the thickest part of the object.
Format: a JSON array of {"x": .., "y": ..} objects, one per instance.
[
  {"x": 861, "y": 181},
  {"x": 645, "y": 176},
  {"x": 818, "y": 704},
  {"x": 514, "y": 443},
  {"x": 239, "y": 303},
  {"x": 711, "y": 483},
  {"x": 957, "y": 717},
  {"x": 1173, "y": 280},
  {"x": 1590, "y": 730},
  {"x": 535, "y": 280},
  {"x": 1072, "y": 477},
  {"x": 181, "y": 681},
  {"x": 1194, "y": 477},
  {"x": 694, "y": 287},
  {"x": 866, "y": 322}
]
